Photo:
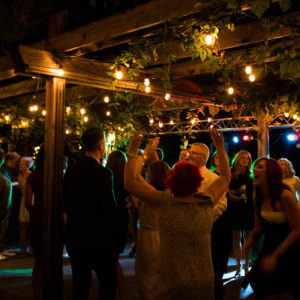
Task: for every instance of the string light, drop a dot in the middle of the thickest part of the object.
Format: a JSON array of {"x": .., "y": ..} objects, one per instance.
[
  {"x": 209, "y": 119},
  {"x": 230, "y": 90},
  {"x": 147, "y": 82},
  {"x": 108, "y": 113},
  {"x": 68, "y": 109},
  {"x": 147, "y": 89},
  {"x": 160, "y": 124},
  {"x": 85, "y": 119},
  {"x": 193, "y": 121},
  {"x": 119, "y": 73},
  {"x": 67, "y": 131},
  {"x": 286, "y": 114},
  {"x": 33, "y": 108},
  {"x": 252, "y": 78},
  {"x": 172, "y": 122},
  {"x": 111, "y": 137},
  {"x": 106, "y": 99},
  {"x": 7, "y": 118},
  {"x": 82, "y": 111},
  {"x": 151, "y": 121},
  {"x": 24, "y": 124},
  {"x": 167, "y": 96},
  {"x": 295, "y": 117},
  {"x": 44, "y": 113},
  {"x": 208, "y": 39},
  {"x": 248, "y": 70}
]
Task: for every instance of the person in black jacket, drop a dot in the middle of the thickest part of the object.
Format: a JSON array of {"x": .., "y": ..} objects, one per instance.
[{"x": 90, "y": 208}]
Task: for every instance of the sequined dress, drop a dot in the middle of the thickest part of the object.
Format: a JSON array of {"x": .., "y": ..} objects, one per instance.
[{"x": 185, "y": 269}]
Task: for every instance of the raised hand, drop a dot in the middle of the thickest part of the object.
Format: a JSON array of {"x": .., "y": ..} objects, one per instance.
[{"x": 217, "y": 137}]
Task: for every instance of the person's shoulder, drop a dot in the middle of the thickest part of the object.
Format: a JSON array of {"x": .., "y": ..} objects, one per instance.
[{"x": 286, "y": 195}]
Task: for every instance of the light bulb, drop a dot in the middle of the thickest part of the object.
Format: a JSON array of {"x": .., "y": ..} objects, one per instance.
[
  {"x": 108, "y": 113},
  {"x": 147, "y": 82},
  {"x": 6, "y": 118},
  {"x": 193, "y": 121},
  {"x": 67, "y": 131},
  {"x": 119, "y": 74},
  {"x": 44, "y": 113},
  {"x": 248, "y": 70},
  {"x": 106, "y": 99},
  {"x": 160, "y": 124},
  {"x": 68, "y": 109},
  {"x": 82, "y": 111},
  {"x": 208, "y": 39},
  {"x": 251, "y": 77},
  {"x": 60, "y": 72},
  {"x": 295, "y": 117},
  {"x": 151, "y": 121},
  {"x": 286, "y": 114},
  {"x": 147, "y": 89},
  {"x": 209, "y": 120},
  {"x": 171, "y": 122},
  {"x": 230, "y": 90},
  {"x": 167, "y": 96},
  {"x": 85, "y": 119}
]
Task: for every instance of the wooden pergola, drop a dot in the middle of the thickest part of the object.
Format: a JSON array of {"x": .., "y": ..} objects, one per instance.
[{"x": 70, "y": 51}]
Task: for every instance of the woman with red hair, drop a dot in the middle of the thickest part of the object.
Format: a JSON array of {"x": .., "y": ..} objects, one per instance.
[
  {"x": 278, "y": 217},
  {"x": 185, "y": 269}
]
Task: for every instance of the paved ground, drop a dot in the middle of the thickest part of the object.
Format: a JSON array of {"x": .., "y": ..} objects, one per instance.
[{"x": 15, "y": 280}]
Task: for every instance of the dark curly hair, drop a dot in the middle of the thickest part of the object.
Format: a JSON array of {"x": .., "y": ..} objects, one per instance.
[{"x": 184, "y": 179}]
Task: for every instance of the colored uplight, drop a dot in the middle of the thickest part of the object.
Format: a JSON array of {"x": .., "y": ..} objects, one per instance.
[
  {"x": 235, "y": 139},
  {"x": 292, "y": 137},
  {"x": 246, "y": 138}
]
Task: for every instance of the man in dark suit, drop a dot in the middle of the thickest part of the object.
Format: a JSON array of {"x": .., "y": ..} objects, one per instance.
[{"x": 90, "y": 207}]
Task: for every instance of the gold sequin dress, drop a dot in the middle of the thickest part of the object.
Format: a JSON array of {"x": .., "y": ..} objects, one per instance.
[{"x": 186, "y": 269}]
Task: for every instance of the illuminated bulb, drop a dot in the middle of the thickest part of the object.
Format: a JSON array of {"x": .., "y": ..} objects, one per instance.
[
  {"x": 119, "y": 75},
  {"x": 248, "y": 70},
  {"x": 251, "y": 77},
  {"x": 151, "y": 121},
  {"x": 111, "y": 137},
  {"x": 167, "y": 96},
  {"x": 85, "y": 119},
  {"x": 209, "y": 119},
  {"x": 44, "y": 113},
  {"x": 68, "y": 109},
  {"x": 24, "y": 123},
  {"x": 295, "y": 117},
  {"x": 6, "y": 118},
  {"x": 160, "y": 124},
  {"x": 60, "y": 72},
  {"x": 230, "y": 91},
  {"x": 193, "y": 121},
  {"x": 171, "y": 122},
  {"x": 82, "y": 111},
  {"x": 146, "y": 82},
  {"x": 208, "y": 39},
  {"x": 108, "y": 113},
  {"x": 35, "y": 108},
  {"x": 147, "y": 89},
  {"x": 67, "y": 131},
  {"x": 106, "y": 99}
]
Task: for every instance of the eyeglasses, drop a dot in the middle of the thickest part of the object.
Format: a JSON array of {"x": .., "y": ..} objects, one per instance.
[{"x": 195, "y": 153}]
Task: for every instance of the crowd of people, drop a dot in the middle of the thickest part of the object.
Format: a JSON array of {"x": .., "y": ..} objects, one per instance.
[{"x": 191, "y": 218}]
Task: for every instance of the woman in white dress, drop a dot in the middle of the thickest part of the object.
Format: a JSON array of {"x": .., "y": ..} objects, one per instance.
[{"x": 24, "y": 166}]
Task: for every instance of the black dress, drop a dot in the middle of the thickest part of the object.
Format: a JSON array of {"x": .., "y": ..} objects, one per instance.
[
  {"x": 286, "y": 278},
  {"x": 241, "y": 213}
]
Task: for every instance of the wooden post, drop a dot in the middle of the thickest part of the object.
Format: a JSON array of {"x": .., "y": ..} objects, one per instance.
[
  {"x": 53, "y": 177},
  {"x": 262, "y": 137}
]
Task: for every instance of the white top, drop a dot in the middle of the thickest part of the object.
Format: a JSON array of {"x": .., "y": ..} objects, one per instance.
[
  {"x": 208, "y": 178},
  {"x": 294, "y": 184},
  {"x": 274, "y": 217}
]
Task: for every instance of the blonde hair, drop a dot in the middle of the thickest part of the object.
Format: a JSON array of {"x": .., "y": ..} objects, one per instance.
[
  {"x": 28, "y": 160},
  {"x": 236, "y": 168},
  {"x": 204, "y": 149},
  {"x": 289, "y": 167}
]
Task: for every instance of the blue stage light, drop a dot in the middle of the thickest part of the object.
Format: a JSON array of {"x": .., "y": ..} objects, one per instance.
[
  {"x": 292, "y": 137},
  {"x": 235, "y": 139}
]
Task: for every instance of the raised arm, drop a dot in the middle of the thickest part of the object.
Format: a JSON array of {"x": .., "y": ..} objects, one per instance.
[
  {"x": 220, "y": 185},
  {"x": 132, "y": 182}
]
